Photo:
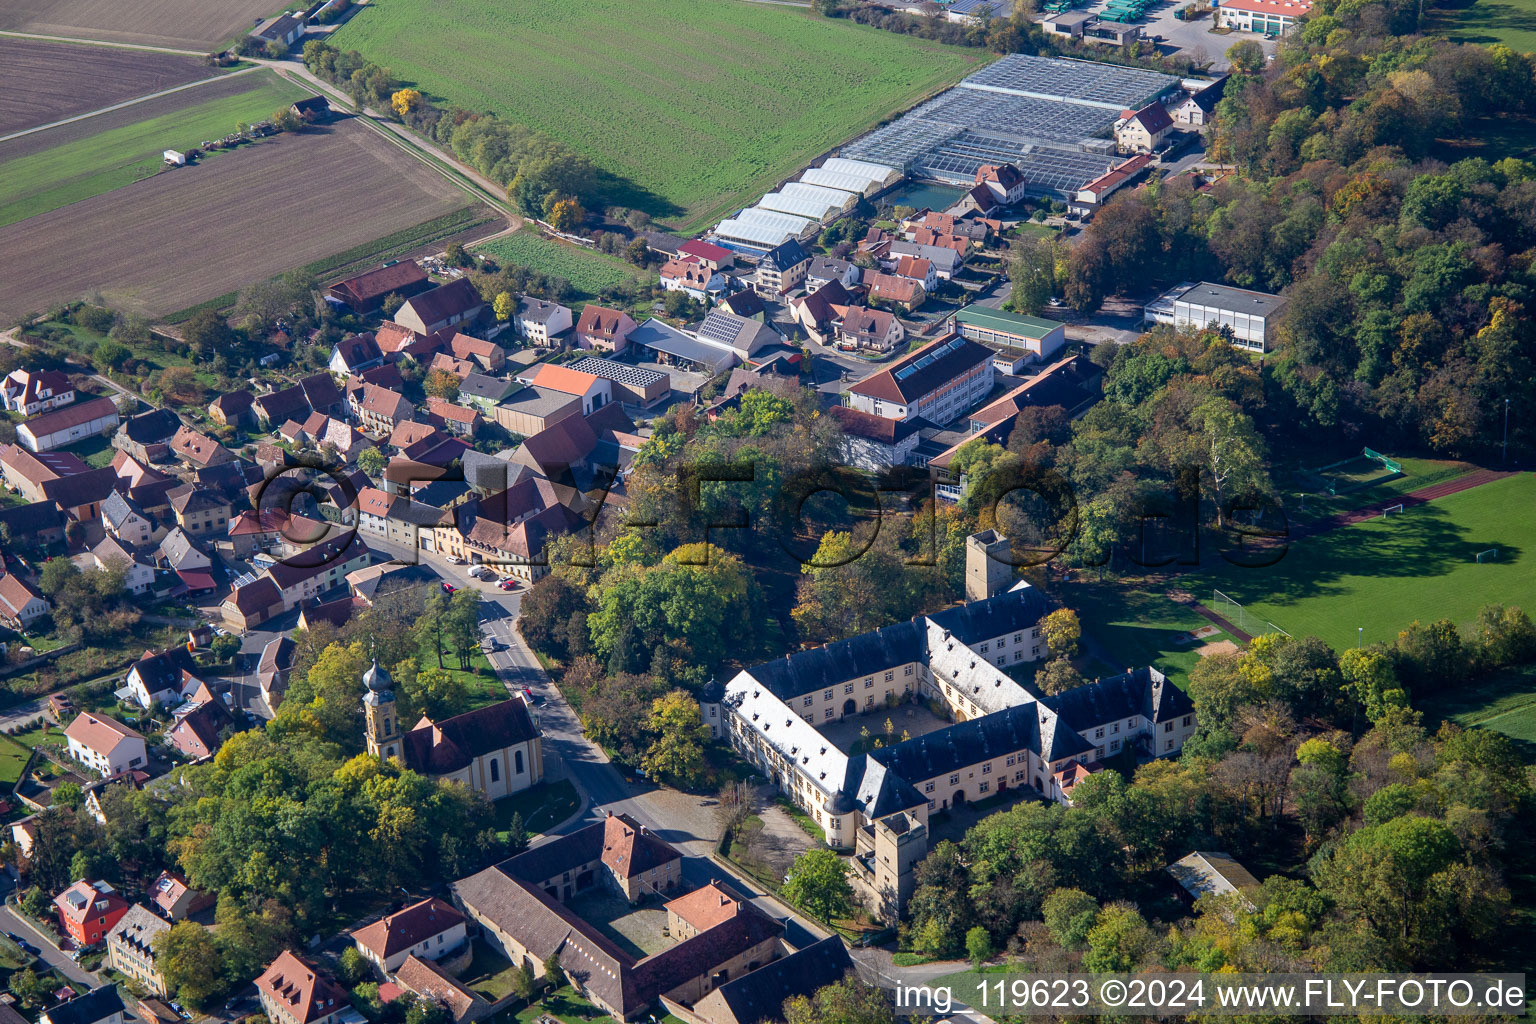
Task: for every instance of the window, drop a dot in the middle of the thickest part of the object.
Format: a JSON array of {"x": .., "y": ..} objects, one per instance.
[
  {"x": 983, "y": 648},
  {"x": 985, "y": 786},
  {"x": 836, "y": 824},
  {"x": 1011, "y": 759},
  {"x": 495, "y": 770},
  {"x": 928, "y": 787},
  {"x": 1018, "y": 655},
  {"x": 1098, "y": 733},
  {"x": 827, "y": 695},
  {"x": 1168, "y": 745},
  {"x": 908, "y": 671},
  {"x": 1131, "y": 723},
  {"x": 517, "y": 761},
  {"x": 869, "y": 684},
  {"x": 389, "y": 726},
  {"x": 1115, "y": 728},
  {"x": 1114, "y": 745},
  {"x": 1098, "y": 751},
  {"x": 1167, "y": 727},
  {"x": 1034, "y": 652},
  {"x": 807, "y": 702},
  {"x": 1020, "y": 776},
  {"x": 986, "y": 769},
  {"x": 1188, "y": 719},
  {"x": 827, "y": 713},
  {"x": 954, "y": 780},
  {"x": 930, "y": 805},
  {"x": 869, "y": 700},
  {"x": 848, "y": 688},
  {"x": 1018, "y": 638}
]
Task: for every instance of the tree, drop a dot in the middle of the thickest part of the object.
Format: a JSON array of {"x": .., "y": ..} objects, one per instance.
[
  {"x": 978, "y": 946},
  {"x": 848, "y": 1001},
  {"x": 354, "y": 967},
  {"x": 522, "y": 981},
  {"x": 405, "y": 102},
  {"x": 1118, "y": 941},
  {"x": 1058, "y": 676},
  {"x": 30, "y": 989},
  {"x": 67, "y": 794},
  {"x": 1031, "y": 269},
  {"x": 566, "y": 215},
  {"x": 188, "y": 958},
  {"x": 392, "y": 303},
  {"x": 1069, "y": 915},
  {"x": 517, "y": 833},
  {"x": 372, "y": 462},
  {"x": 462, "y": 626},
  {"x": 287, "y": 120},
  {"x": 677, "y": 754},
  {"x": 207, "y": 333},
  {"x": 1246, "y": 57},
  {"x": 1062, "y": 631},
  {"x": 36, "y": 902},
  {"x": 637, "y": 252},
  {"x": 504, "y": 306},
  {"x": 818, "y": 881},
  {"x": 554, "y": 974},
  {"x": 442, "y": 384}
]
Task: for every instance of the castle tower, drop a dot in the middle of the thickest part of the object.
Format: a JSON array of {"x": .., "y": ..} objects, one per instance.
[
  {"x": 381, "y": 725},
  {"x": 987, "y": 571}
]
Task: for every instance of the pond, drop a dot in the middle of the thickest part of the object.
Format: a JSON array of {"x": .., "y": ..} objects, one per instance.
[{"x": 923, "y": 194}]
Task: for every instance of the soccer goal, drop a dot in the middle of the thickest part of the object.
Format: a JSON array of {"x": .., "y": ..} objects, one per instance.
[
  {"x": 1391, "y": 510},
  {"x": 1491, "y": 555},
  {"x": 1233, "y": 611}
]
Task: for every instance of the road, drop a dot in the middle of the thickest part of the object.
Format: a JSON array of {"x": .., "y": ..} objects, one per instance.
[
  {"x": 9, "y": 338},
  {"x": 13, "y": 922}
]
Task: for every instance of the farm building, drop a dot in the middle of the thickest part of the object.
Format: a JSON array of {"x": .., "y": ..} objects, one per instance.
[
  {"x": 363, "y": 293},
  {"x": 817, "y": 208},
  {"x": 174, "y": 158},
  {"x": 632, "y": 385},
  {"x": 284, "y": 29},
  {"x": 674, "y": 348},
  {"x": 71, "y": 423},
  {"x": 853, "y": 184}
]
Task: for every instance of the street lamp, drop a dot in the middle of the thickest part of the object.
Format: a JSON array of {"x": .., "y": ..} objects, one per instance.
[
  {"x": 1505, "y": 456},
  {"x": 1359, "y": 636}
]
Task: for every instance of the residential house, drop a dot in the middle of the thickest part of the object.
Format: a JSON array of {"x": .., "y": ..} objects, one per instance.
[
  {"x": 130, "y": 948},
  {"x": 539, "y": 320},
  {"x": 110, "y": 553},
  {"x": 176, "y": 899},
  {"x": 694, "y": 279},
  {"x": 99, "y": 1006},
  {"x": 869, "y": 330},
  {"x": 902, "y": 293},
  {"x": 379, "y": 410},
  {"x": 444, "y": 306},
  {"x": 913, "y": 268},
  {"x": 758, "y": 997},
  {"x": 293, "y": 991},
  {"x": 68, "y": 424},
  {"x": 744, "y": 337},
  {"x": 251, "y": 603},
  {"x": 278, "y": 407},
  {"x": 179, "y": 553},
  {"x": 199, "y": 451},
  {"x": 429, "y": 929},
  {"x": 28, "y": 472},
  {"x": 41, "y": 521},
  {"x": 428, "y": 981},
  {"x": 163, "y": 677},
  {"x": 715, "y": 257},
  {"x": 939, "y": 382},
  {"x": 30, "y": 392},
  {"x": 603, "y": 329},
  {"x": 272, "y": 670},
  {"x": 199, "y": 512},
  {"x": 456, "y": 419},
  {"x": 1090, "y": 197},
  {"x": 820, "y": 311},
  {"x": 198, "y": 730},
  {"x": 1199, "y": 106},
  {"x": 946, "y": 260},
  {"x": 20, "y": 604},
  {"x": 354, "y": 355},
  {"x": 460, "y": 368},
  {"x": 404, "y": 343},
  {"x": 147, "y": 436},
  {"x": 781, "y": 270},
  {"x": 632, "y": 385},
  {"x": 366, "y": 292},
  {"x": 875, "y": 442},
  {"x": 980, "y": 200},
  {"x": 1005, "y": 180},
  {"x": 824, "y": 269},
  {"x": 483, "y": 392},
  {"x": 1142, "y": 131},
  {"x": 317, "y": 569},
  {"x": 233, "y": 409},
  {"x": 593, "y": 391},
  {"x": 487, "y": 356},
  {"x": 89, "y": 910}
]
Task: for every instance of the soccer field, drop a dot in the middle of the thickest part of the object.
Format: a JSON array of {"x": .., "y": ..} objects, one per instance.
[
  {"x": 1381, "y": 575},
  {"x": 698, "y": 104}
]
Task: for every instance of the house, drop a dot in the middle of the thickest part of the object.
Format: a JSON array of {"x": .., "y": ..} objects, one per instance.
[
  {"x": 1205, "y": 872},
  {"x": 483, "y": 392},
  {"x": 758, "y": 997},
  {"x": 89, "y": 910},
  {"x": 99, "y": 1006},
  {"x": 429, "y": 929},
  {"x": 540, "y": 321},
  {"x": 318, "y": 568},
  {"x": 631, "y": 385},
  {"x": 946, "y": 259},
  {"x": 714, "y": 257},
  {"x": 1014, "y": 336},
  {"x": 444, "y": 306},
  {"x": 1087, "y": 200},
  {"x": 272, "y": 670},
  {"x": 379, "y": 410},
  {"x": 522, "y": 910},
  {"x": 1269, "y": 17},
  {"x": 355, "y": 354},
  {"x": 696, "y": 280},
  {"x": 68, "y": 424},
  {"x": 1005, "y": 180},
  {"x": 28, "y": 472},
  {"x": 593, "y": 391},
  {"x": 199, "y": 451},
  {"x": 742, "y": 336},
  {"x": 198, "y": 731},
  {"x": 109, "y": 552},
  {"x": 293, "y": 991},
  {"x": 913, "y": 268},
  {"x": 1251, "y": 318},
  {"x": 821, "y": 310},
  {"x": 875, "y": 442},
  {"x": 130, "y": 948},
  {"x": 233, "y": 409},
  {"x": 315, "y": 108},
  {"x": 30, "y": 392},
  {"x": 366, "y": 292},
  {"x": 782, "y": 269},
  {"x": 398, "y": 340},
  {"x": 427, "y": 980},
  {"x": 824, "y": 269},
  {"x": 42, "y": 521},
  {"x": 1142, "y": 131},
  {"x": 284, "y": 29},
  {"x": 745, "y": 303},
  {"x": 250, "y": 604},
  {"x": 20, "y": 604},
  {"x": 105, "y": 744},
  {"x": 1198, "y": 107},
  {"x": 939, "y": 382},
  {"x": 901, "y": 292},
  {"x": 457, "y": 419},
  {"x": 485, "y": 355},
  {"x": 163, "y": 677},
  {"x": 146, "y": 437},
  {"x": 869, "y": 330},
  {"x": 460, "y": 368},
  {"x": 201, "y": 513},
  {"x": 531, "y": 409},
  {"x": 175, "y": 899},
  {"x": 603, "y": 329}
]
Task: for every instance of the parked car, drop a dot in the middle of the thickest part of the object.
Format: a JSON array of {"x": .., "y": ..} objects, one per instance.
[
  {"x": 508, "y": 584},
  {"x": 448, "y": 588},
  {"x": 455, "y": 560}
]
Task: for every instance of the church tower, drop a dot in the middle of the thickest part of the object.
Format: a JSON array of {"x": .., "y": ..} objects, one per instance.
[{"x": 382, "y": 727}]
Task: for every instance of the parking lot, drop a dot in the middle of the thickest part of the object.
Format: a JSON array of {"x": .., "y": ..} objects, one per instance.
[{"x": 1194, "y": 39}]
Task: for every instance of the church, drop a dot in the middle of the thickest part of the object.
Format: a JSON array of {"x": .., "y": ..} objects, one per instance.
[{"x": 495, "y": 750}]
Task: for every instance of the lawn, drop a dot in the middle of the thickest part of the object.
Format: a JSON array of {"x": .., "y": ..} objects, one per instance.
[
  {"x": 588, "y": 271},
  {"x": 542, "y": 807},
  {"x": 1504, "y": 702},
  {"x": 1378, "y": 576},
  {"x": 1417, "y": 474},
  {"x": 1138, "y": 625},
  {"x": 489, "y": 973},
  {"x": 13, "y": 758},
  {"x": 697, "y": 106},
  {"x": 80, "y": 167},
  {"x": 1512, "y": 22}
]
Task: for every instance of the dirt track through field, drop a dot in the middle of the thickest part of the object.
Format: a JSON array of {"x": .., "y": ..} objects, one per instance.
[
  {"x": 193, "y": 233},
  {"x": 46, "y": 82},
  {"x": 199, "y": 25}
]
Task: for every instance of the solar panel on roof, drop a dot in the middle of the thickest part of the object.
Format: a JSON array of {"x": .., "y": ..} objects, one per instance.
[{"x": 905, "y": 372}]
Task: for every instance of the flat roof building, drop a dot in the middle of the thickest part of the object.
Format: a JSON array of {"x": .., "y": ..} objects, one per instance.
[
  {"x": 1252, "y": 317},
  {"x": 1014, "y": 335}
]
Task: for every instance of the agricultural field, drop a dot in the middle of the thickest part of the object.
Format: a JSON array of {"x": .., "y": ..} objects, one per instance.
[
  {"x": 178, "y": 239},
  {"x": 49, "y": 169},
  {"x": 1511, "y": 22},
  {"x": 698, "y": 106},
  {"x": 48, "y": 82},
  {"x": 587, "y": 271},
  {"x": 1377, "y": 576},
  {"x": 193, "y": 25}
]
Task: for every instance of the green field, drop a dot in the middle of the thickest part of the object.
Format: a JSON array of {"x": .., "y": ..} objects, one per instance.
[
  {"x": 1505, "y": 702},
  {"x": 1382, "y": 574},
  {"x": 1512, "y": 22},
  {"x": 81, "y": 166},
  {"x": 697, "y": 106},
  {"x": 1138, "y": 626},
  {"x": 1417, "y": 474},
  {"x": 587, "y": 271}
]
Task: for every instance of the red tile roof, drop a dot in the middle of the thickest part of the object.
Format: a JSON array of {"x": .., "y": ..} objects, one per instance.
[
  {"x": 300, "y": 989},
  {"x": 409, "y": 927}
]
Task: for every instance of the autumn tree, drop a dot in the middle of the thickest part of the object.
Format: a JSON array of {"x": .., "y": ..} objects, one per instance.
[
  {"x": 405, "y": 102},
  {"x": 504, "y": 306},
  {"x": 189, "y": 959},
  {"x": 677, "y": 753},
  {"x": 442, "y": 384},
  {"x": 566, "y": 215},
  {"x": 1062, "y": 631}
]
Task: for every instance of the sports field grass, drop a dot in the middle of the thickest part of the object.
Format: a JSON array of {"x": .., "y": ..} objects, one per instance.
[
  {"x": 1417, "y": 473},
  {"x": 1504, "y": 702},
  {"x": 84, "y": 166},
  {"x": 1138, "y": 625},
  {"x": 697, "y": 105},
  {"x": 1382, "y": 574},
  {"x": 586, "y": 270},
  {"x": 1512, "y": 22}
]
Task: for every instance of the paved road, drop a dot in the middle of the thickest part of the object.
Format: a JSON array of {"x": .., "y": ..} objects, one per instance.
[
  {"x": 126, "y": 103},
  {"x": 13, "y": 922}
]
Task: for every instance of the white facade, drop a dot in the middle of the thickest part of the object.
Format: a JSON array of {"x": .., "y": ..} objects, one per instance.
[{"x": 1250, "y": 316}]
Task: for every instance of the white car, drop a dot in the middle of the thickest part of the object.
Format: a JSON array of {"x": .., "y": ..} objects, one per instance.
[{"x": 455, "y": 560}]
